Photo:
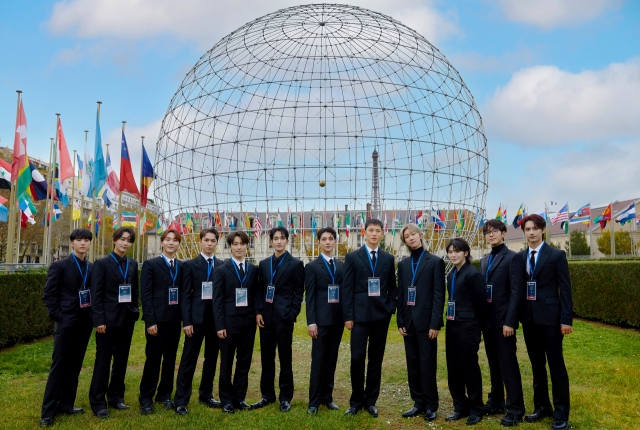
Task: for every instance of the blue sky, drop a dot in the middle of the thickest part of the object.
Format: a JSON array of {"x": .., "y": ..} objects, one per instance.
[{"x": 557, "y": 82}]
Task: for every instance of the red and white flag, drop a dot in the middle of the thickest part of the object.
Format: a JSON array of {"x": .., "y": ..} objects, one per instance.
[
  {"x": 257, "y": 226},
  {"x": 19, "y": 143}
]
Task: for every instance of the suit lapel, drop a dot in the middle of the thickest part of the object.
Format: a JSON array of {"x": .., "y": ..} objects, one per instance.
[
  {"x": 74, "y": 268},
  {"x": 423, "y": 263},
  {"x": 365, "y": 259},
  {"x": 545, "y": 252},
  {"x": 162, "y": 263},
  {"x": 201, "y": 263},
  {"x": 498, "y": 258},
  {"x": 484, "y": 263}
]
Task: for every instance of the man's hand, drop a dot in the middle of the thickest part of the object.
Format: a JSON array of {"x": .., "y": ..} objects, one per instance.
[
  {"x": 402, "y": 331},
  {"x": 222, "y": 334},
  {"x": 433, "y": 334},
  {"x": 507, "y": 331},
  {"x": 102, "y": 329},
  {"x": 153, "y": 330},
  {"x": 566, "y": 329},
  {"x": 349, "y": 325},
  {"x": 313, "y": 331},
  {"x": 259, "y": 321},
  {"x": 188, "y": 330}
]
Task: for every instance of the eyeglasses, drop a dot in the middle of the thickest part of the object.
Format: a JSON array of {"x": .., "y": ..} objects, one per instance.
[{"x": 490, "y": 232}]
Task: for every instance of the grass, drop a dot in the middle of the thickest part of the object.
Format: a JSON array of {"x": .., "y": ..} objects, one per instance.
[{"x": 603, "y": 364}]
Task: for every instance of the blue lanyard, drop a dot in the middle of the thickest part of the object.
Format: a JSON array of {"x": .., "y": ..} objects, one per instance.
[
  {"x": 246, "y": 272},
  {"x": 209, "y": 269},
  {"x": 84, "y": 277},
  {"x": 126, "y": 270},
  {"x": 453, "y": 284},
  {"x": 173, "y": 276},
  {"x": 273, "y": 272},
  {"x": 489, "y": 267},
  {"x": 373, "y": 268},
  {"x": 533, "y": 269},
  {"x": 335, "y": 270},
  {"x": 414, "y": 268}
]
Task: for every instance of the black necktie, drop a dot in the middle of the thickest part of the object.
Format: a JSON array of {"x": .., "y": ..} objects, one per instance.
[
  {"x": 241, "y": 271},
  {"x": 171, "y": 264},
  {"x": 209, "y": 260},
  {"x": 331, "y": 265},
  {"x": 532, "y": 263},
  {"x": 373, "y": 257}
]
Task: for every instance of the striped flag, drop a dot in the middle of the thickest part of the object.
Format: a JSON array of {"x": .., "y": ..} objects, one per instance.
[
  {"x": 5, "y": 175},
  {"x": 257, "y": 226},
  {"x": 562, "y": 215},
  {"x": 129, "y": 219},
  {"x": 582, "y": 215}
]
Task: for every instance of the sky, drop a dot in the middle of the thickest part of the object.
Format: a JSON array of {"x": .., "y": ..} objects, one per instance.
[{"x": 557, "y": 82}]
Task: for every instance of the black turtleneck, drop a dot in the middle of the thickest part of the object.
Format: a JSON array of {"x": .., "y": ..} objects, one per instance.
[
  {"x": 415, "y": 254},
  {"x": 496, "y": 249}
]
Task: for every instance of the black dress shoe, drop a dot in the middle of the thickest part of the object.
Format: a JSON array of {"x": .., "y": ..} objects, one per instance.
[
  {"x": 429, "y": 415},
  {"x": 332, "y": 406},
  {"x": 312, "y": 410},
  {"x": 456, "y": 416},
  {"x": 168, "y": 404},
  {"x": 119, "y": 406},
  {"x": 473, "y": 420},
  {"x": 262, "y": 403},
  {"x": 537, "y": 415},
  {"x": 285, "y": 406},
  {"x": 211, "y": 403},
  {"x": 46, "y": 422},
  {"x": 560, "y": 425},
  {"x": 510, "y": 420},
  {"x": 182, "y": 410},
  {"x": 146, "y": 409},
  {"x": 373, "y": 411},
  {"x": 72, "y": 411},
  {"x": 102, "y": 413},
  {"x": 413, "y": 412},
  {"x": 351, "y": 411},
  {"x": 243, "y": 406},
  {"x": 493, "y": 409},
  {"x": 228, "y": 409}
]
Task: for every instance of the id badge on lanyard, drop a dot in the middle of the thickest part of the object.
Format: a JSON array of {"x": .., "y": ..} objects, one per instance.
[
  {"x": 124, "y": 295},
  {"x": 85, "y": 298},
  {"x": 333, "y": 294},
  {"x": 173, "y": 295},
  {"x": 271, "y": 291},
  {"x": 411, "y": 296},
  {"x": 207, "y": 291},
  {"x": 451, "y": 310},
  {"x": 489, "y": 293},
  {"x": 242, "y": 298},
  {"x": 374, "y": 287},
  {"x": 531, "y": 290}
]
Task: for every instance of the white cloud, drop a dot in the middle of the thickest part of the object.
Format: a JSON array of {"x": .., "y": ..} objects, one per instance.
[
  {"x": 508, "y": 62},
  {"x": 206, "y": 21},
  {"x": 553, "y": 13},
  {"x": 544, "y": 105}
]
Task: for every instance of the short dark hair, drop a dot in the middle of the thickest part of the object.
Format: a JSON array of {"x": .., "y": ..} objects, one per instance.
[
  {"x": 459, "y": 245},
  {"x": 537, "y": 220},
  {"x": 176, "y": 235},
  {"x": 80, "y": 233},
  {"x": 238, "y": 233},
  {"x": 119, "y": 232},
  {"x": 280, "y": 229},
  {"x": 206, "y": 231},
  {"x": 326, "y": 230},
  {"x": 493, "y": 223},
  {"x": 373, "y": 221}
]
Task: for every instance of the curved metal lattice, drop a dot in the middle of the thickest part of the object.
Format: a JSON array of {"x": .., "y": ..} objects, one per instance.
[{"x": 303, "y": 97}]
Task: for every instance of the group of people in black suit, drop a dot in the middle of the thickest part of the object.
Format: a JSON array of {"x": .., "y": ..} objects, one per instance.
[{"x": 220, "y": 304}]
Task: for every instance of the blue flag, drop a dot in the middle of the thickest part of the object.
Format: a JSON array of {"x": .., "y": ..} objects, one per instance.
[{"x": 99, "y": 168}]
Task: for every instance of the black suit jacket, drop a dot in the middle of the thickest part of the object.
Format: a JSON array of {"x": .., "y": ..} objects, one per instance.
[
  {"x": 554, "y": 303},
  {"x": 155, "y": 282},
  {"x": 289, "y": 283},
  {"x": 61, "y": 291},
  {"x": 469, "y": 294},
  {"x": 105, "y": 290},
  {"x": 507, "y": 277},
  {"x": 357, "y": 305},
  {"x": 194, "y": 273},
  {"x": 226, "y": 314},
  {"x": 430, "y": 291},
  {"x": 317, "y": 281}
]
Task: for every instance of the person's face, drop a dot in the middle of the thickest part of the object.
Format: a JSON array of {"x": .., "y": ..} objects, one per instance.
[
  {"x": 494, "y": 236},
  {"x": 412, "y": 239},
  {"x": 279, "y": 242},
  {"x": 456, "y": 257},
  {"x": 170, "y": 243},
  {"x": 532, "y": 232},
  {"x": 123, "y": 244},
  {"x": 81, "y": 245},
  {"x": 238, "y": 249},
  {"x": 208, "y": 243},
  {"x": 327, "y": 243},
  {"x": 373, "y": 234}
]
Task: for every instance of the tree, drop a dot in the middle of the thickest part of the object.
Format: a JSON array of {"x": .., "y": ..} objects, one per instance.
[
  {"x": 623, "y": 243},
  {"x": 553, "y": 245},
  {"x": 579, "y": 245}
]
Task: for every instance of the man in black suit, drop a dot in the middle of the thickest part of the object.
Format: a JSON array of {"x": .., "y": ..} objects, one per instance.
[
  {"x": 322, "y": 280},
  {"x": 198, "y": 324},
  {"x": 369, "y": 301},
  {"x": 504, "y": 276},
  {"x": 278, "y": 303},
  {"x": 160, "y": 283},
  {"x": 68, "y": 301},
  {"x": 547, "y": 316},
  {"x": 421, "y": 293},
  {"x": 235, "y": 285},
  {"x": 114, "y": 309}
]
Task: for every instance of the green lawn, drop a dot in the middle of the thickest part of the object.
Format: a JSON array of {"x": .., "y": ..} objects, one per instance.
[{"x": 603, "y": 364}]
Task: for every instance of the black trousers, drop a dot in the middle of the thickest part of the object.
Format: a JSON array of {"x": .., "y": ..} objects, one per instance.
[
  {"x": 161, "y": 351},
  {"x": 504, "y": 370},
  {"x": 69, "y": 346},
  {"x": 375, "y": 335},
  {"x": 422, "y": 355},
  {"x": 276, "y": 336},
  {"x": 544, "y": 344},
  {"x": 324, "y": 358},
  {"x": 190, "y": 352},
  {"x": 115, "y": 343},
  {"x": 237, "y": 345},
  {"x": 464, "y": 377}
]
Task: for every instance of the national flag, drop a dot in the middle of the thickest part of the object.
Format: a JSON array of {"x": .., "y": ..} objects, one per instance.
[
  {"x": 339, "y": 221},
  {"x": 28, "y": 211},
  {"x": 628, "y": 214},
  {"x": 480, "y": 220},
  {"x": 436, "y": 219},
  {"x": 499, "y": 214},
  {"x": 386, "y": 225},
  {"x": 257, "y": 226},
  {"x": 76, "y": 210},
  {"x": 87, "y": 171},
  {"x": 279, "y": 219},
  {"x": 362, "y": 223},
  {"x": 148, "y": 175},
  {"x": 5, "y": 175},
  {"x": 419, "y": 219},
  {"x": 459, "y": 225},
  {"x": 127, "y": 182},
  {"x": 111, "y": 188},
  {"x": 313, "y": 223},
  {"x": 4, "y": 213},
  {"x": 56, "y": 212},
  {"x": 20, "y": 160},
  {"x": 247, "y": 221},
  {"x": 159, "y": 227},
  {"x": 38, "y": 186},
  {"x": 604, "y": 217},
  {"x": 292, "y": 224},
  {"x": 582, "y": 215},
  {"x": 562, "y": 215},
  {"x": 347, "y": 223},
  {"x": 65, "y": 168},
  {"x": 188, "y": 223},
  {"x": 99, "y": 176},
  {"x": 218, "y": 222},
  {"x": 129, "y": 219},
  {"x": 517, "y": 220}
]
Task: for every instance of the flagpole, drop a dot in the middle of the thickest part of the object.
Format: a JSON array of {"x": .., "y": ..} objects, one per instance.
[
  {"x": 140, "y": 204},
  {"x": 613, "y": 235},
  {"x": 569, "y": 228},
  {"x": 46, "y": 206},
  {"x": 73, "y": 191},
  {"x": 12, "y": 201},
  {"x": 92, "y": 250},
  {"x": 49, "y": 205},
  {"x": 120, "y": 191}
]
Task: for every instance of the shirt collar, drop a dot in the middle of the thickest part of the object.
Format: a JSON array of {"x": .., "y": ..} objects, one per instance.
[
  {"x": 238, "y": 262},
  {"x": 537, "y": 249},
  {"x": 328, "y": 259},
  {"x": 369, "y": 249},
  {"x": 206, "y": 258}
]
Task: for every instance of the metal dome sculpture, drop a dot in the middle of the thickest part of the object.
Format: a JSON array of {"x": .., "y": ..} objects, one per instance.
[{"x": 291, "y": 111}]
